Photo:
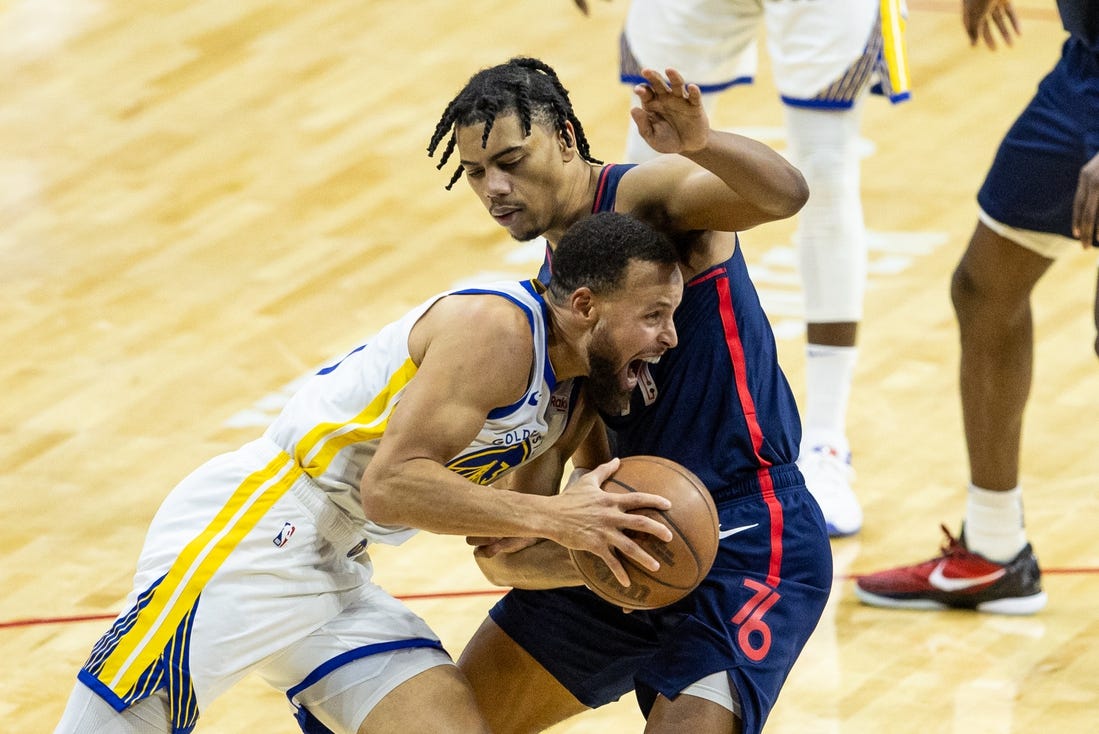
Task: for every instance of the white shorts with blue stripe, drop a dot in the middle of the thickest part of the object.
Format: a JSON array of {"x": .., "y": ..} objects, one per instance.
[
  {"x": 247, "y": 567},
  {"x": 824, "y": 53}
]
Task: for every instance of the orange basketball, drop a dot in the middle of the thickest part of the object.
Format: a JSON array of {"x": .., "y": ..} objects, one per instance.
[{"x": 684, "y": 560}]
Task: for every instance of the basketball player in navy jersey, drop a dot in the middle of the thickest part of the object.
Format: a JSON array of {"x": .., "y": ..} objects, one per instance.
[
  {"x": 718, "y": 403},
  {"x": 1039, "y": 201}
]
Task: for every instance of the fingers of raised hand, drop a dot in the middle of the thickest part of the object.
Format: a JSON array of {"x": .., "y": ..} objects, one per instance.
[
  {"x": 657, "y": 84},
  {"x": 677, "y": 84}
]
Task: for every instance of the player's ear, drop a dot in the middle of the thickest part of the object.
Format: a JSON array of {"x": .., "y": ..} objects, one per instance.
[
  {"x": 582, "y": 302},
  {"x": 566, "y": 141}
]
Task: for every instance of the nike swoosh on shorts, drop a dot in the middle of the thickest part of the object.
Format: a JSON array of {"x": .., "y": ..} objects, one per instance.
[{"x": 734, "y": 531}]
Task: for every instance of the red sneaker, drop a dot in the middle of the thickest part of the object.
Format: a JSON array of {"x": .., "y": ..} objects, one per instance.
[{"x": 959, "y": 579}]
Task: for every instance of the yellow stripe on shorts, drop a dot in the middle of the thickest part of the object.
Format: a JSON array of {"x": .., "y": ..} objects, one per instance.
[
  {"x": 894, "y": 23},
  {"x": 200, "y": 559}
]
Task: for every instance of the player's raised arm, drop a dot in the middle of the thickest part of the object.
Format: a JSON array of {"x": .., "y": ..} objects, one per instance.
[{"x": 719, "y": 180}]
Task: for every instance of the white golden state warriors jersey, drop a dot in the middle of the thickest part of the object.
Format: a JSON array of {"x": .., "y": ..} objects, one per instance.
[{"x": 333, "y": 424}]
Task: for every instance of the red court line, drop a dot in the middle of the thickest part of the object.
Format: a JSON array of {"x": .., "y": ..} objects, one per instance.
[{"x": 42, "y": 621}]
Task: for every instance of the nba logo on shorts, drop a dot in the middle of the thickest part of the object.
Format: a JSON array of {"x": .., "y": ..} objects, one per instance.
[{"x": 284, "y": 535}]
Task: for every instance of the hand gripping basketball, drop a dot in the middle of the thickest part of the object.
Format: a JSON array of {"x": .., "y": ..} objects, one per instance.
[{"x": 684, "y": 560}]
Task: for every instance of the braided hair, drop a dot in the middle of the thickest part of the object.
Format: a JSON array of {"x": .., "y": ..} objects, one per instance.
[{"x": 524, "y": 86}]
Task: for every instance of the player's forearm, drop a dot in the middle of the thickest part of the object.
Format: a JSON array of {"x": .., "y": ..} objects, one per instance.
[
  {"x": 425, "y": 495},
  {"x": 544, "y": 565},
  {"x": 756, "y": 172}
]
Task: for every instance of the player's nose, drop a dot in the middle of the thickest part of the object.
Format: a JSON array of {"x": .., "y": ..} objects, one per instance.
[
  {"x": 497, "y": 183},
  {"x": 668, "y": 336}
]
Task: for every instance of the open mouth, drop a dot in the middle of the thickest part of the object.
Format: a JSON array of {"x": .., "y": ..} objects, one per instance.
[{"x": 632, "y": 373}]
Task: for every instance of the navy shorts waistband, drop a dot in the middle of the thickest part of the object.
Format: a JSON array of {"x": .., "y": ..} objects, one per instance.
[{"x": 782, "y": 476}]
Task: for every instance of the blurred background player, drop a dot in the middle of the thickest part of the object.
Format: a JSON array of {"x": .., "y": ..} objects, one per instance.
[
  {"x": 826, "y": 55},
  {"x": 1039, "y": 200}
]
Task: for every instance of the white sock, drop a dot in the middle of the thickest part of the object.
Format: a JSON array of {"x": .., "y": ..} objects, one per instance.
[
  {"x": 828, "y": 374},
  {"x": 994, "y": 523}
]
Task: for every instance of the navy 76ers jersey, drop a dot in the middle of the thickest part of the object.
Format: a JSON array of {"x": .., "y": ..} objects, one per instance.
[{"x": 720, "y": 404}]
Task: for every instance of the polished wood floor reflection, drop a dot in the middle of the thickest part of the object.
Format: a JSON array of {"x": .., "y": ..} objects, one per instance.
[{"x": 202, "y": 201}]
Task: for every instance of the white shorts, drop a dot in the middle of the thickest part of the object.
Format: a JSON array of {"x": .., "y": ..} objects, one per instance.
[
  {"x": 247, "y": 567},
  {"x": 1047, "y": 244},
  {"x": 824, "y": 53}
]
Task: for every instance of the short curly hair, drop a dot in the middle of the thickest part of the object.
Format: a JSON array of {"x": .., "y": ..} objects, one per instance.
[{"x": 596, "y": 252}]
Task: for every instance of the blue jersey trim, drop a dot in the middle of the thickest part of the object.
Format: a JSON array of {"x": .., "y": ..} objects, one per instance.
[
  {"x": 361, "y": 652},
  {"x": 548, "y": 374},
  {"x": 309, "y": 723},
  {"x": 101, "y": 690},
  {"x": 818, "y": 104},
  {"x": 547, "y": 370},
  {"x": 704, "y": 88}
]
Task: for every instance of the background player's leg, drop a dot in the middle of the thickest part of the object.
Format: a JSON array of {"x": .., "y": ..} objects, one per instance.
[
  {"x": 991, "y": 291},
  {"x": 991, "y": 568},
  {"x": 503, "y": 676},
  {"x": 832, "y": 250}
]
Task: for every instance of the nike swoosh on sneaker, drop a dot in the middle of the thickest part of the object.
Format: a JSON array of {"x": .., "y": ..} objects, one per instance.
[
  {"x": 940, "y": 581},
  {"x": 734, "y": 531}
]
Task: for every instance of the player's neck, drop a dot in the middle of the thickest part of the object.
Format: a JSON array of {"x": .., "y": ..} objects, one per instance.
[
  {"x": 577, "y": 198},
  {"x": 565, "y": 339}
]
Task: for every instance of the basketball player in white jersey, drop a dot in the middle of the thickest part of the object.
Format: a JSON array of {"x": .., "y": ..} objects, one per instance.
[
  {"x": 825, "y": 56},
  {"x": 256, "y": 562}
]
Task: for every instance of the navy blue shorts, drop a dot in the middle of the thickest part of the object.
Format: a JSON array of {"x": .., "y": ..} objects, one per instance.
[
  {"x": 1033, "y": 179},
  {"x": 751, "y": 616}
]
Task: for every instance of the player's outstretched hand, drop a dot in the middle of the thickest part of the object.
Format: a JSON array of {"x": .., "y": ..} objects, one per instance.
[
  {"x": 979, "y": 17},
  {"x": 597, "y": 521},
  {"x": 1085, "y": 207},
  {"x": 671, "y": 118}
]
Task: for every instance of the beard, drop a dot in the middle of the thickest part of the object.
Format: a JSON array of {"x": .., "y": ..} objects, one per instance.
[
  {"x": 528, "y": 233},
  {"x": 604, "y": 387}
]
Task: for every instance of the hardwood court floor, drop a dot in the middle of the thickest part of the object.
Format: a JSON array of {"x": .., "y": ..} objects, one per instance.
[{"x": 200, "y": 202}]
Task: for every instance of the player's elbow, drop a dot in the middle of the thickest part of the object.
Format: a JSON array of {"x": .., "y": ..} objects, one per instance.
[
  {"x": 495, "y": 572},
  {"x": 796, "y": 194},
  {"x": 376, "y": 498}
]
